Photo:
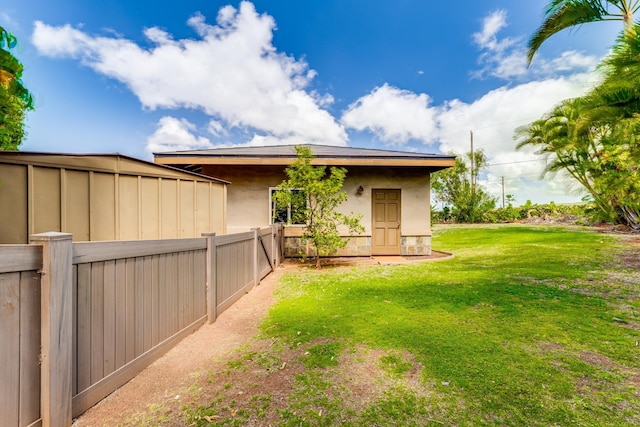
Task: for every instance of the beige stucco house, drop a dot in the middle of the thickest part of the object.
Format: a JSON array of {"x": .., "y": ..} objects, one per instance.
[{"x": 390, "y": 189}]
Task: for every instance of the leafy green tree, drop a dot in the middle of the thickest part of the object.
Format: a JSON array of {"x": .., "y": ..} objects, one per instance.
[
  {"x": 556, "y": 137},
  {"x": 15, "y": 99},
  {"x": 323, "y": 196},
  {"x": 593, "y": 138},
  {"x": 596, "y": 147},
  {"x": 614, "y": 105},
  {"x": 563, "y": 14},
  {"x": 466, "y": 201}
]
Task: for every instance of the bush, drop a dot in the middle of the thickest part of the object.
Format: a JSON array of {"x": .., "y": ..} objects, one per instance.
[{"x": 581, "y": 214}]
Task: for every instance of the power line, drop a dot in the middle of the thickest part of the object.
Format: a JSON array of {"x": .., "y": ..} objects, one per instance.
[{"x": 515, "y": 162}]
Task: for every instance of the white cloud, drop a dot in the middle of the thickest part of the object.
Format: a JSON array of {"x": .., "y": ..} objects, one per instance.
[
  {"x": 487, "y": 38},
  {"x": 568, "y": 61},
  {"x": 494, "y": 118},
  {"x": 233, "y": 73},
  {"x": 393, "y": 115},
  {"x": 506, "y": 58},
  {"x": 175, "y": 134},
  {"x": 396, "y": 116},
  {"x": 216, "y": 128}
]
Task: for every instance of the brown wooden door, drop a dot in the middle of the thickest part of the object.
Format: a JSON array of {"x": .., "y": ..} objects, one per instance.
[{"x": 385, "y": 239}]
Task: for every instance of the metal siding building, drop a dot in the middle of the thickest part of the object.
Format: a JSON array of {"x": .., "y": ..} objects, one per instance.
[{"x": 105, "y": 197}]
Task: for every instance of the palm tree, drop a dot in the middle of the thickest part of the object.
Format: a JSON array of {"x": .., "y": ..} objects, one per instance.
[
  {"x": 595, "y": 148},
  {"x": 563, "y": 14},
  {"x": 566, "y": 144}
]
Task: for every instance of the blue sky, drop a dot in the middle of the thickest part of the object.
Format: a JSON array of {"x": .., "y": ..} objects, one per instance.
[{"x": 141, "y": 77}]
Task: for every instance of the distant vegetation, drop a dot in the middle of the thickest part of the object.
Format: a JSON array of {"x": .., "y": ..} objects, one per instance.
[{"x": 547, "y": 213}]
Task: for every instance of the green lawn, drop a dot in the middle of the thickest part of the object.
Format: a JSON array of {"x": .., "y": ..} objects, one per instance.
[{"x": 526, "y": 326}]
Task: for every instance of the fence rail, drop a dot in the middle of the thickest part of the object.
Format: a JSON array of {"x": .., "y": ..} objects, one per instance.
[{"x": 78, "y": 320}]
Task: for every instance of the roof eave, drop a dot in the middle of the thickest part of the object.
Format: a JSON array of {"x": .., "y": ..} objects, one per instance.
[{"x": 439, "y": 162}]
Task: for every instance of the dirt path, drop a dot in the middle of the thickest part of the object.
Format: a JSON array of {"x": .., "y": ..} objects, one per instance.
[{"x": 165, "y": 379}]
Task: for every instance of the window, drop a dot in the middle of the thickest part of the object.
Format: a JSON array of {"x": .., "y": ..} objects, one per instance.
[{"x": 292, "y": 213}]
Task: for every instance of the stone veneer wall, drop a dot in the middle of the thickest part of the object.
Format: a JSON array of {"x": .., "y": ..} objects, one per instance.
[
  {"x": 356, "y": 246},
  {"x": 361, "y": 246},
  {"x": 416, "y": 245}
]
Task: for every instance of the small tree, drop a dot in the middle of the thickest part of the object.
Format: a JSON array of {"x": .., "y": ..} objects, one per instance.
[
  {"x": 15, "y": 99},
  {"x": 468, "y": 202},
  {"x": 323, "y": 193}
]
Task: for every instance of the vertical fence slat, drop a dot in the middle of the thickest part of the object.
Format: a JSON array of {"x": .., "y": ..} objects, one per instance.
[
  {"x": 10, "y": 348},
  {"x": 147, "y": 295},
  {"x": 182, "y": 298},
  {"x": 109, "y": 307},
  {"x": 130, "y": 328},
  {"x": 29, "y": 347},
  {"x": 83, "y": 327},
  {"x": 139, "y": 284},
  {"x": 74, "y": 305},
  {"x": 256, "y": 265},
  {"x": 155, "y": 301},
  {"x": 201, "y": 275},
  {"x": 121, "y": 313},
  {"x": 97, "y": 321},
  {"x": 174, "y": 300},
  {"x": 191, "y": 313},
  {"x": 163, "y": 330}
]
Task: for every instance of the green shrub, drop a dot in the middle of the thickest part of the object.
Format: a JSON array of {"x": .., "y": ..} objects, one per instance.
[{"x": 581, "y": 214}]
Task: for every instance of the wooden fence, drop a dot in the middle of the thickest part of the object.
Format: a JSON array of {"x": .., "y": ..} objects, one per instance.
[{"x": 78, "y": 320}]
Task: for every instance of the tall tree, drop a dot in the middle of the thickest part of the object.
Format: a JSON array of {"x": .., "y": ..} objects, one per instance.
[
  {"x": 563, "y": 14},
  {"x": 453, "y": 186},
  {"x": 596, "y": 147},
  {"x": 567, "y": 146},
  {"x": 323, "y": 192},
  {"x": 15, "y": 99}
]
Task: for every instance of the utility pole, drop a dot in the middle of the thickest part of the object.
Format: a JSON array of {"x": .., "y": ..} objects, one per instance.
[
  {"x": 502, "y": 192},
  {"x": 473, "y": 183}
]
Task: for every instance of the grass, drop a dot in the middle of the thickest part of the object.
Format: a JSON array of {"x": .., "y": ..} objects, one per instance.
[{"x": 532, "y": 326}]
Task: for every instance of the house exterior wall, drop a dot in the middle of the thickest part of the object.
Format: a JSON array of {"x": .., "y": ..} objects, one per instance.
[
  {"x": 104, "y": 198},
  {"x": 248, "y": 204}
]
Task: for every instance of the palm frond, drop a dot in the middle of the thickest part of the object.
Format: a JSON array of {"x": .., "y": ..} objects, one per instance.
[{"x": 563, "y": 14}]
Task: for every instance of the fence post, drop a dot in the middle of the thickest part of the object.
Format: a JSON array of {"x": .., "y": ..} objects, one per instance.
[
  {"x": 212, "y": 283},
  {"x": 274, "y": 258},
  {"x": 279, "y": 243},
  {"x": 57, "y": 324},
  {"x": 256, "y": 273},
  {"x": 277, "y": 231}
]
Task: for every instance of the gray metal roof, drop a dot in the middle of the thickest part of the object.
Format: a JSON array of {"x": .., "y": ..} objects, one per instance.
[
  {"x": 85, "y": 161},
  {"x": 320, "y": 151}
]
